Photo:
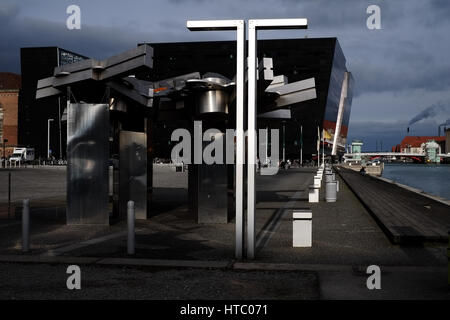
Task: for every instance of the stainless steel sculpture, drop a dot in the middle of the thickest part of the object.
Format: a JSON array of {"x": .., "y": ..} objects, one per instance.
[
  {"x": 87, "y": 165},
  {"x": 115, "y": 67},
  {"x": 133, "y": 173},
  {"x": 212, "y": 94}
]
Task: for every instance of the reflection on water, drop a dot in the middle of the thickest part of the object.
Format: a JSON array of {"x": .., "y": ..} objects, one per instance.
[{"x": 433, "y": 179}]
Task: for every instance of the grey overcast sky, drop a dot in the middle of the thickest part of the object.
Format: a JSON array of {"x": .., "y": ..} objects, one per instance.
[{"x": 400, "y": 70}]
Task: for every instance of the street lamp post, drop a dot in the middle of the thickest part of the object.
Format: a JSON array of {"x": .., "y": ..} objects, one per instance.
[
  {"x": 4, "y": 152},
  {"x": 48, "y": 137},
  {"x": 301, "y": 145},
  {"x": 253, "y": 27}
]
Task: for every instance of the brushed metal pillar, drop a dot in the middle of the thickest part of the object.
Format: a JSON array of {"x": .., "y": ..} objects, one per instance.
[
  {"x": 133, "y": 173},
  {"x": 87, "y": 163}
]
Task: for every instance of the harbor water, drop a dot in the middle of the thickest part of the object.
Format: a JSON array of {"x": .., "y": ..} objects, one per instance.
[{"x": 433, "y": 179}]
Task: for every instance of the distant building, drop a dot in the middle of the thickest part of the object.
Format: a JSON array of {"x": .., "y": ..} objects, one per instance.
[
  {"x": 416, "y": 144},
  {"x": 357, "y": 148},
  {"x": 396, "y": 148},
  {"x": 447, "y": 140},
  {"x": 38, "y": 63},
  {"x": 10, "y": 84}
]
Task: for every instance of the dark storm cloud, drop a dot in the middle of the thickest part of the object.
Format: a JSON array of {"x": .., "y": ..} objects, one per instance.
[
  {"x": 92, "y": 41},
  {"x": 441, "y": 8},
  {"x": 372, "y": 78}
]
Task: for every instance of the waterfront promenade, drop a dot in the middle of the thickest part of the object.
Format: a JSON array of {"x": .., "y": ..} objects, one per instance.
[{"x": 405, "y": 216}]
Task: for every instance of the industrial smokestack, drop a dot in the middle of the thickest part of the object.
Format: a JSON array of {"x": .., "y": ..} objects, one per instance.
[{"x": 442, "y": 125}]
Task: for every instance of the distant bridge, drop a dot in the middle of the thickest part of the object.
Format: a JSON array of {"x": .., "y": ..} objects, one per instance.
[{"x": 392, "y": 154}]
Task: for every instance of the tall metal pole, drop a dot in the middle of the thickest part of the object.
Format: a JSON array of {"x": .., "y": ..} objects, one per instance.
[
  {"x": 318, "y": 146},
  {"x": 284, "y": 142},
  {"x": 239, "y": 26},
  {"x": 323, "y": 146},
  {"x": 267, "y": 143},
  {"x": 251, "y": 147},
  {"x": 59, "y": 125},
  {"x": 4, "y": 153},
  {"x": 9, "y": 193},
  {"x": 240, "y": 143},
  {"x": 48, "y": 137},
  {"x": 301, "y": 145},
  {"x": 253, "y": 26}
]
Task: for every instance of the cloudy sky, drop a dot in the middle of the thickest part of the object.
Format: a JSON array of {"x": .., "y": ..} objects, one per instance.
[{"x": 400, "y": 71}]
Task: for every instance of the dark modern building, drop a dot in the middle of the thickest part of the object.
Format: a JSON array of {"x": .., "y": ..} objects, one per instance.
[
  {"x": 33, "y": 115},
  {"x": 297, "y": 59}
]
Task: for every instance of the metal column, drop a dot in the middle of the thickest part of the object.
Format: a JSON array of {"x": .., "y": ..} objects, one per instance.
[
  {"x": 253, "y": 26},
  {"x": 87, "y": 163},
  {"x": 133, "y": 172}
]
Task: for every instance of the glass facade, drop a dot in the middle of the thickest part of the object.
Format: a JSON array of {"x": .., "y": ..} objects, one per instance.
[
  {"x": 338, "y": 71},
  {"x": 66, "y": 57},
  {"x": 347, "y": 111}
]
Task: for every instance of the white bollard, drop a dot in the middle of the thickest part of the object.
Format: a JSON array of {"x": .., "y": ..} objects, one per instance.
[
  {"x": 302, "y": 228},
  {"x": 317, "y": 181},
  {"x": 131, "y": 236},
  {"x": 313, "y": 195},
  {"x": 26, "y": 225}
]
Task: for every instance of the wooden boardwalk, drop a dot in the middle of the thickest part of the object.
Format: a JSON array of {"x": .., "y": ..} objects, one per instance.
[{"x": 405, "y": 216}]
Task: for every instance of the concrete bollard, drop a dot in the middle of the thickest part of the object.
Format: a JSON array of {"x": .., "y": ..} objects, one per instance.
[
  {"x": 26, "y": 225},
  {"x": 330, "y": 192},
  {"x": 131, "y": 235},
  {"x": 317, "y": 181},
  {"x": 302, "y": 228},
  {"x": 313, "y": 195}
]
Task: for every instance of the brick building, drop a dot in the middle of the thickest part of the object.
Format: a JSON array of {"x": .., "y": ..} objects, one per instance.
[
  {"x": 10, "y": 84},
  {"x": 415, "y": 144}
]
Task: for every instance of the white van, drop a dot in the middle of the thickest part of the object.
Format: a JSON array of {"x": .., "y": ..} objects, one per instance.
[{"x": 22, "y": 155}]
